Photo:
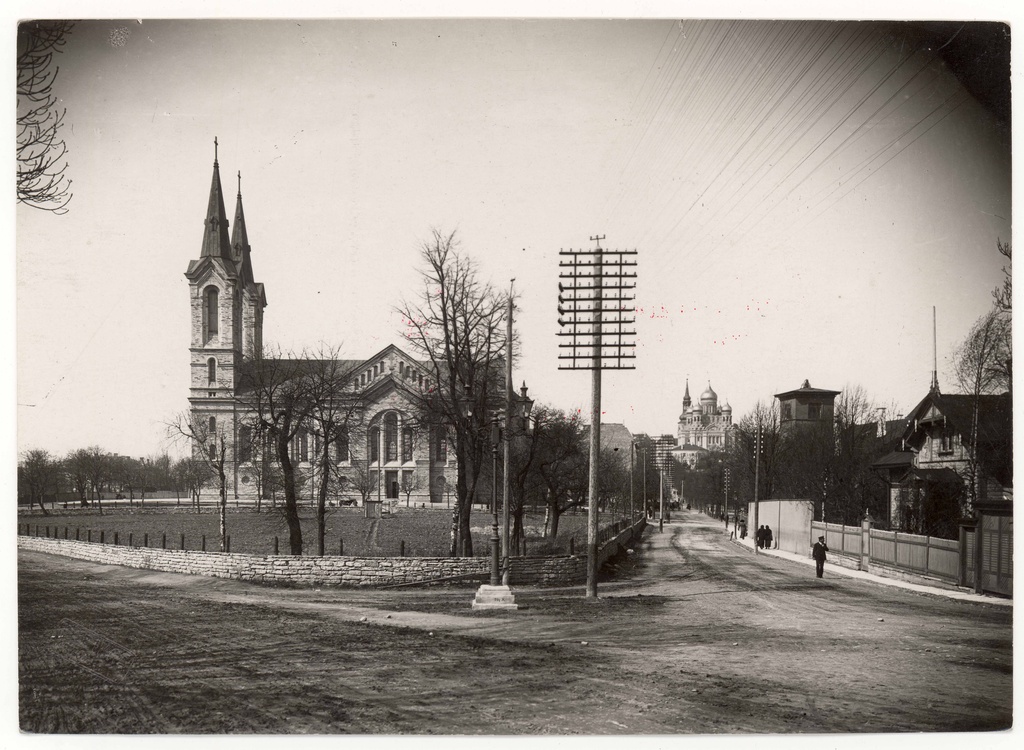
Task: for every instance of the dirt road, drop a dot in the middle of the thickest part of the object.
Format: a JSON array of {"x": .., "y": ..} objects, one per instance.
[{"x": 695, "y": 635}]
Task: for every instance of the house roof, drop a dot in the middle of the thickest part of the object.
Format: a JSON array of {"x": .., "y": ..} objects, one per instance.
[
  {"x": 894, "y": 460},
  {"x": 614, "y": 436},
  {"x": 995, "y": 426},
  {"x": 806, "y": 390}
]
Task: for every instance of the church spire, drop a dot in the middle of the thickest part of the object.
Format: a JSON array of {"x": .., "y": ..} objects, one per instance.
[
  {"x": 240, "y": 238},
  {"x": 686, "y": 396},
  {"x": 215, "y": 227}
]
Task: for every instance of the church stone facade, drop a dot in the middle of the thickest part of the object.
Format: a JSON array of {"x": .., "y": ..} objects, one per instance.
[
  {"x": 402, "y": 457},
  {"x": 703, "y": 426}
]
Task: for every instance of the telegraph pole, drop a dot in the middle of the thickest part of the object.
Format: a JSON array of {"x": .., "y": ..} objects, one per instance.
[
  {"x": 593, "y": 303},
  {"x": 757, "y": 475}
]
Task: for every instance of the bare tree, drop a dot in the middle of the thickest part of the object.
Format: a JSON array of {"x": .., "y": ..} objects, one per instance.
[
  {"x": 457, "y": 325},
  {"x": 76, "y": 463},
  {"x": 275, "y": 394},
  {"x": 561, "y": 463},
  {"x": 1003, "y": 296},
  {"x": 981, "y": 367},
  {"x": 42, "y": 182},
  {"x": 763, "y": 419},
  {"x": 97, "y": 462},
  {"x": 408, "y": 485},
  {"x": 332, "y": 410},
  {"x": 38, "y": 475},
  {"x": 193, "y": 474},
  {"x": 209, "y": 445},
  {"x": 361, "y": 480}
]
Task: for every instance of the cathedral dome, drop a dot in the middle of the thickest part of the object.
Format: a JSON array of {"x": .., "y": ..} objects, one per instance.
[
  {"x": 708, "y": 395},
  {"x": 726, "y": 409}
]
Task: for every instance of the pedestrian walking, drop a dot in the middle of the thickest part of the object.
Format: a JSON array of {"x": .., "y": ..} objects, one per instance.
[
  {"x": 768, "y": 538},
  {"x": 818, "y": 553},
  {"x": 759, "y": 536}
]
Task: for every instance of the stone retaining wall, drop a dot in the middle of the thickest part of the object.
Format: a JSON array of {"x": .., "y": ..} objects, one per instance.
[{"x": 326, "y": 571}]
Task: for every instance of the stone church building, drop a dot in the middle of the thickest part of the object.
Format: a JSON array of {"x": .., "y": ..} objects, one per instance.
[
  {"x": 387, "y": 452},
  {"x": 703, "y": 426}
]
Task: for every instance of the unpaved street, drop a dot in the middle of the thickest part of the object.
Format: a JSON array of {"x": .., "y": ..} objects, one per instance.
[{"x": 697, "y": 635}]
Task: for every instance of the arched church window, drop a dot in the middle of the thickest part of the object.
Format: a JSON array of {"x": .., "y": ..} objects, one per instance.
[
  {"x": 212, "y": 311},
  {"x": 391, "y": 437},
  {"x": 212, "y": 425},
  {"x": 406, "y": 444},
  {"x": 342, "y": 443},
  {"x": 373, "y": 449},
  {"x": 244, "y": 443},
  {"x": 440, "y": 443},
  {"x": 211, "y": 371}
]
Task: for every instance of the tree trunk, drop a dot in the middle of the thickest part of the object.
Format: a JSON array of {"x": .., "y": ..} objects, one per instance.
[
  {"x": 42, "y": 507},
  {"x": 321, "y": 503},
  {"x": 555, "y": 515},
  {"x": 291, "y": 504},
  {"x": 223, "y": 508}
]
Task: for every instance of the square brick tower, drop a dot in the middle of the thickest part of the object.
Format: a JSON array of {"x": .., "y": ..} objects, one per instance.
[{"x": 227, "y": 321}]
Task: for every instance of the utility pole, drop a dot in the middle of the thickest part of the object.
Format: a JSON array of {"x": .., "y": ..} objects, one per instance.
[
  {"x": 590, "y": 280},
  {"x": 507, "y": 560},
  {"x": 757, "y": 475}
]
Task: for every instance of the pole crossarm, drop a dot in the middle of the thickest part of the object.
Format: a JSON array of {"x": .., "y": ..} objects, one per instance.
[{"x": 595, "y": 304}]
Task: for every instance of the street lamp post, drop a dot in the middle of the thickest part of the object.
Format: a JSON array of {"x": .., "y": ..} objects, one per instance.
[
  {"x": 518, "y": 408},
  {"x": 495, "y": 440},
  {"x": 632, "y": 513}
]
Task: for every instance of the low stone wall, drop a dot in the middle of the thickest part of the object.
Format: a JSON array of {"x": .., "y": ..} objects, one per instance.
[{"x": 330, "y": 570}]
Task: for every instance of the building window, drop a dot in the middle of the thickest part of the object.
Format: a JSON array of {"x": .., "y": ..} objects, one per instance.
[
  {"x": 212, "y": 311},
  {"x": 814, "y": 411},
  {"x": 373, "y": 447},
  {"x": 244, "y": 443},
  {"x": 440, "y": 443},
  {"x": 342, "y": 443},
  {"x": 212, "y": 425},
  {"x": 787, "y": 411},
  {"x": 303, "y": 446},
  {"x": 391, "y": 437},
  {"x": 406, "y": 444},
  {"x": 211, "y": 371},
  {"x": 212, "y": 450}
]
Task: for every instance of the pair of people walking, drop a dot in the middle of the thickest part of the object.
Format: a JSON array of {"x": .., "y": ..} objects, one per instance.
[{"x": 763, "y": 537}]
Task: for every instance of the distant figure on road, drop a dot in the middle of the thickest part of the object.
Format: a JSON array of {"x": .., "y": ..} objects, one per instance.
[
  {"x": 768, "y": 536},
  {"x": 818, "y": 553},
  {"x": 759, "y": 536},
  {"x": 743, "y": 530}
]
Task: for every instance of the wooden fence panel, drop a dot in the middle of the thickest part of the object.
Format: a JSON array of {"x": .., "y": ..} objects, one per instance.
[
  {"x": 882, "y": 547},
  {"x": 944, "y": 559}
]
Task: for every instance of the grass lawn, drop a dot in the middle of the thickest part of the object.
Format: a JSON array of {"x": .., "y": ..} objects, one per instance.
[{"x": 425, "y": 531}]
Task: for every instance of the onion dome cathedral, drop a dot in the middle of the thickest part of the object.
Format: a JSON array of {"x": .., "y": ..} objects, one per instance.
[{"x": 703, "y": 425}]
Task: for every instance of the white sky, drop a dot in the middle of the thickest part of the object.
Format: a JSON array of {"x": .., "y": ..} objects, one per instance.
[{"x": 798, "y": 209}]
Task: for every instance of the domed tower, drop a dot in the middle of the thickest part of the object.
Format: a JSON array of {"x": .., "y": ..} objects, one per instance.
[
  {"x": 708, "y": 401},
  {"x": 726, "y": 413}
]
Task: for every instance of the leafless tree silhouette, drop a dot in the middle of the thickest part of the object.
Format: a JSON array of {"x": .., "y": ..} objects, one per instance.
[{"x": 42, "y": 182}]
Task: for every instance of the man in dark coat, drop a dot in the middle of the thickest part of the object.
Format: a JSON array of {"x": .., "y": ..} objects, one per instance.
[
  {"x": 759, "y": 536},
  {"x": 818, "y": 553},
  {"x": 768, "y": 536}
]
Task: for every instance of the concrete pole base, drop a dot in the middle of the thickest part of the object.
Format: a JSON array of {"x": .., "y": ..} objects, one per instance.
[{"x": 494, "y": 597}]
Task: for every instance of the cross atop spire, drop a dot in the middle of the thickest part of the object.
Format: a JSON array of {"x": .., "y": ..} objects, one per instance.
[{"x": 215, "y": 234}]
